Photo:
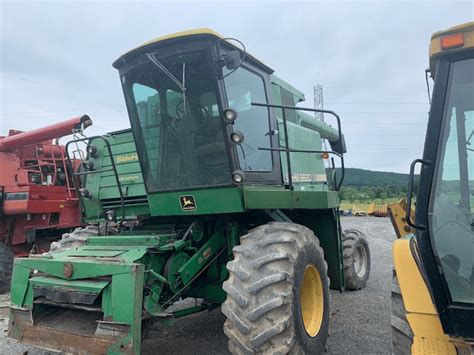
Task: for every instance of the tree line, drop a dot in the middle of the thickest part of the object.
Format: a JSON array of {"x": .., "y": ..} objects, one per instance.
[{"x": 365, "y": 185}]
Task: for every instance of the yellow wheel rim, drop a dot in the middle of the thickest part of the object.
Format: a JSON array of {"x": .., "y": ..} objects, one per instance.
[{"x": 312, "y": 300}]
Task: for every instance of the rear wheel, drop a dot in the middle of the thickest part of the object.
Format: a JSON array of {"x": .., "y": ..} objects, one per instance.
[
  {"x": 277, "y": 292},
  {"x": 6, "y": 267},
  {"x": 402, "y": 335},
  {"x": 356, "y": 254}
]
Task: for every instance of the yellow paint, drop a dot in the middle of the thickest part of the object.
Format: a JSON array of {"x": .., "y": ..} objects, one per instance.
[
  {"x": 128, "y": 178},
  {"x": 127, "y": 158},
  {"x": 397, "y": 214},
  {"x": 312, "y": 300},
  {"x": 429, "y": 337},
  {"x": 428, "y": 346},
  {"x": 198, "y": 31},
  {"x": 371, "y": 208},
  {"x": 466, "y": 29}
]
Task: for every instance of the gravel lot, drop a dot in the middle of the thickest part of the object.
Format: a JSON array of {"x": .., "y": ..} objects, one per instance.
[{"x": 360, "y": 322}]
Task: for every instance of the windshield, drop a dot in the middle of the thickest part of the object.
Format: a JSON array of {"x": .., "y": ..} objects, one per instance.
[
  {"x": 174, "y": 113},
  {"x": 451, "y": 216},
  {"x": 242, "y": 88}
]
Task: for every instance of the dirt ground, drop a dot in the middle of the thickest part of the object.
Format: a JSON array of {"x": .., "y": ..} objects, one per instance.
[{"x": 360, "y": 322}]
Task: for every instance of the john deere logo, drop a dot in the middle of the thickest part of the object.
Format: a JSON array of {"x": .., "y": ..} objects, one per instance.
[{"x": 187, "y": 202}]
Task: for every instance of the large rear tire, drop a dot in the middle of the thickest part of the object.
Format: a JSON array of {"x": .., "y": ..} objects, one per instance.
[
  {"x": 6, "y": 267},
  {"x": 277, "y": 292},
  {"x": 356, "y": 254},
  {"x": 402, "y": 335}
]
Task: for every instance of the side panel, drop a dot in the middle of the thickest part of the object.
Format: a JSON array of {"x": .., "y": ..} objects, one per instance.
[
  {"x": 103, "y": 186},
  {"x": 263, "y": 197},
  {"x": 212, "y": 201},
  {"x": 421, "y": 313},
  {"x": 307, "y": 169}
]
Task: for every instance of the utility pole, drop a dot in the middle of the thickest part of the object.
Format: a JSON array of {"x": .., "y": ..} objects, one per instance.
[
  {"x": 318, "y": 101},
  {"x": 319, "y": 105}
]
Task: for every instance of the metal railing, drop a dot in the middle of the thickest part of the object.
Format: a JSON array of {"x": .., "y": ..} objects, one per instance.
[
  {"x": 113, "y": 166},
  {"x": 287, "y": 148}
]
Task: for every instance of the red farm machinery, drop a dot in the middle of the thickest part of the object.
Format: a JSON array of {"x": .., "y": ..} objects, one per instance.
[{"x": 38, "y": 201}]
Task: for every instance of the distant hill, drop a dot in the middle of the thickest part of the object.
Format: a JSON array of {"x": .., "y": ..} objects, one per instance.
[{"x": 358, "y": 178}]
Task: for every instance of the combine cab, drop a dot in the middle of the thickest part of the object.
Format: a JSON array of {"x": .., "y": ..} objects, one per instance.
[
  {"x": 38, "y": 201},
  {"x": 242, "y": 213}
]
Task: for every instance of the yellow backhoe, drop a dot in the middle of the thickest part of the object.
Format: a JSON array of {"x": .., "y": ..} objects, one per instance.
[{"x": 433, "y": 280}]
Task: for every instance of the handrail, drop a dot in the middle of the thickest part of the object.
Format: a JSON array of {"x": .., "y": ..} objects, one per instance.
[
  {"x": 410, "y": 192},
  {"x": 287, "y": 148},
  {"x": 114, "y": 167}
]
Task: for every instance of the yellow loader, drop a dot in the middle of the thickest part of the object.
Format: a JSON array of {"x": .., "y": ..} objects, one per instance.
[{"x": 433, "y": 281}]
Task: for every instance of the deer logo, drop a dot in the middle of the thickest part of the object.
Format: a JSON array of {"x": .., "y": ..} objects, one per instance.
[{"x": 187, "y": 202}]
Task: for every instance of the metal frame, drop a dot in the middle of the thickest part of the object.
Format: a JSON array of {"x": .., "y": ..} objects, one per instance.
[
  {"x": 287, "y": 148},
  {"x": 114, "y": 167}
]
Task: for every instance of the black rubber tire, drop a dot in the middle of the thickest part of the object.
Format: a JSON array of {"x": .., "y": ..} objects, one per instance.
[
  {"x": 401, "y": 334},
  {"x": 263, "y": 291},
  {"x": 351, "y": 240},
  {"x": 6, "y": 268}
]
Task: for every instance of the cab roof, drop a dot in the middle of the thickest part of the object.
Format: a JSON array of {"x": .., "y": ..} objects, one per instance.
[
  {"x": 200, "y": 32},
  {"x": 467, "y": 30}
]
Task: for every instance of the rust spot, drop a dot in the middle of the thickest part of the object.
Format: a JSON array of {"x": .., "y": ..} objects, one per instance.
[{"x": 68, "y": 270}]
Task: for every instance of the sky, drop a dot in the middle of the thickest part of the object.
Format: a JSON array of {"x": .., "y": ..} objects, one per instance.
[{"x": 56, "y": 61}]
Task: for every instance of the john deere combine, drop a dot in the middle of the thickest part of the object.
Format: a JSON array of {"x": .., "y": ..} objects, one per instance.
[{"x": 242, "y": 212}]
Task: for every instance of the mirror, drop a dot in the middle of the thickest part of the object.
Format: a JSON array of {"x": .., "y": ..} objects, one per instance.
[{"x": 232, "y": 60}]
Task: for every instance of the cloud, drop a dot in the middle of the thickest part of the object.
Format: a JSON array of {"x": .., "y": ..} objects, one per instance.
[{"x": 369, "y": 56}]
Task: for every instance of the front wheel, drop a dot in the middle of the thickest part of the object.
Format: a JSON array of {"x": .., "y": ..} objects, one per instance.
[
  {"x": 277, "y": 292},
  {"x": 6, "y": 267}
]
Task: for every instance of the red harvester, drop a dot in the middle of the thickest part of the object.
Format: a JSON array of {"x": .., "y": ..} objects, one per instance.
[{"x": 38, "y": 201}]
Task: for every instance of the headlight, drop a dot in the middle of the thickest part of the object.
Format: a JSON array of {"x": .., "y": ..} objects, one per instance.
[
  {"x": 238, "y": 177},
  {"x": 230, "y": 115},
  {"x": 111, "y": 216},
  {"x": 237, "y": 137},
  {"x": 92, "y": 151}
]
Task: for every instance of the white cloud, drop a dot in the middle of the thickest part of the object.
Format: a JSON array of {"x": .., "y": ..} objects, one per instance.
[{"x": 370, "y": 56}]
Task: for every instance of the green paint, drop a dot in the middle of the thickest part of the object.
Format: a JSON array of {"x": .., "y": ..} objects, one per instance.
[
  {"x": 208, "y": 201},
  {"x": 202, "y": 257},
  {"x": 270, "y": 197},
  {"x": 90, "y": 286},
  {"x": 103, "y": 187}
]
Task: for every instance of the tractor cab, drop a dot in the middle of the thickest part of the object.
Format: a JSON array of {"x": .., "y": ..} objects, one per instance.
[
  {"x": 200, "y": 109},
  {"x": 435, "y": 265}
]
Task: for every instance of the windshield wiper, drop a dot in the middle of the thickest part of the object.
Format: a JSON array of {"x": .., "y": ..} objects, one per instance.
[
  {"x": 170, "y": 75},
  {"x": 468, "y": 142}
]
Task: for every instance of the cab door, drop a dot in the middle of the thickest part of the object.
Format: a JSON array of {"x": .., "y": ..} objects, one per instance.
[
  {"x": 445, "y": 204},
  {"x": 244, "y": 86}
]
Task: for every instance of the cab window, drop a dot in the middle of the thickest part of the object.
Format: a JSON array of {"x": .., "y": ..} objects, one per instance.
[{"x": 244, "y": 87}]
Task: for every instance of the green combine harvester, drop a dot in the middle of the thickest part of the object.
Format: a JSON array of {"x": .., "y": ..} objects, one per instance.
[{"x": 240, "y": 211}]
